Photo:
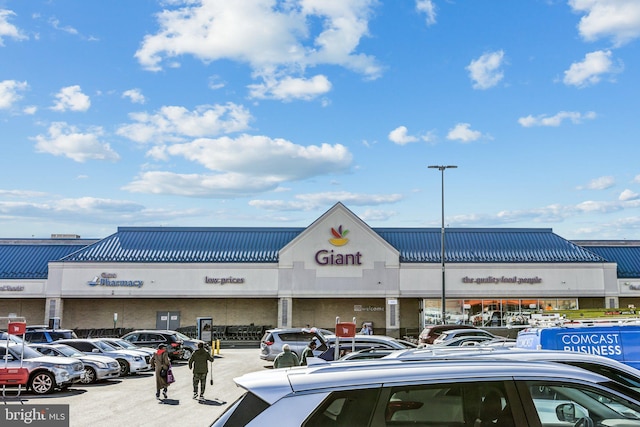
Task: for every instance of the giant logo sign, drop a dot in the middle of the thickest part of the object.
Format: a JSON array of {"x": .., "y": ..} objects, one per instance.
[
  {"x": 331, "y": 257},
  {"x": 111, "y": 280}
]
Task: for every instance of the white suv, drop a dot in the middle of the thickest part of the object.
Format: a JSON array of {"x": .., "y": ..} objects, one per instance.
[{"x": 451, "y": 393}]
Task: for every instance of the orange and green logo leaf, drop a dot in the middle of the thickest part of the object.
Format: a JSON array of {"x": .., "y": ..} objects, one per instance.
[{"x": 339, "y": 236}]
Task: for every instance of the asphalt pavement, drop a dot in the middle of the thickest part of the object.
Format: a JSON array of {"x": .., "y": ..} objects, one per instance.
[{"x": 131, "y": 400}]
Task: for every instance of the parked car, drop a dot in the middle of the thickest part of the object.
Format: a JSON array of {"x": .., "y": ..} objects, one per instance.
[
  {"x": 431, "y": 332},
  {"x": 457, "y": 333},
  {"x": 45, "y": 373},
  {"x": 130, "y": 362},
  {"x": 190, "y": 345},
  {"x": 385, "y": 392},
  {"x": 605, "y": 366},
  {"x": 368, "y": 353},
  {"x": 362, "y": 342},
  {"x": 96, "y": 367},
  {"x": 153, "y": 338},
  {"x": 119, "y": 343},
  {"x": 297, "y": 338},
  {"x": 45, "y": 335}
]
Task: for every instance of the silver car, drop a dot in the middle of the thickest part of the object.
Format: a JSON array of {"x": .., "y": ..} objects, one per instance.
[
  {"x": 45, "y": 373},
  {"x": 119, "y": 343},
  {"x": 297, "y": 338},
  {"x": 444, "y": 393},
  {"x": 130, "y": 362},
  {"x": 96, "y": 367}
]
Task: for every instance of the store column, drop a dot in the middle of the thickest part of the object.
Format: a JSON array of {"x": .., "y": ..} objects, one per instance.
[
  {"x": 53, "y": 311},
  {"x": 285, "y": 312},
  {"x": 393, "y": 317}
]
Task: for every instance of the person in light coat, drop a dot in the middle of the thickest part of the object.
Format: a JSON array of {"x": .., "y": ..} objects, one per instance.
[{"x": 286, "y": 358}]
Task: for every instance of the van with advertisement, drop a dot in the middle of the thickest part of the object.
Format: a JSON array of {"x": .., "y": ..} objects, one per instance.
[{"x": 618, "y": 342}]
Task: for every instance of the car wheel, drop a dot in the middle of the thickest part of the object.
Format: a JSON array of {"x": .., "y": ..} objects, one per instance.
[
  {"x": 42, "y": 383},
  {"x": 89, "y": 376},
  {"x": 187, "y": 354},
  {"x": 124, "y": 368}
]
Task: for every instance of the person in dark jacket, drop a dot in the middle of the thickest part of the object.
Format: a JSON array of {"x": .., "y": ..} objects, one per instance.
[
  {"x": 286, "y": 358},
  {"x": 160, "y": 361},
  {"x": 307, "y": 352},
  {"x": 199, "y": 362}
]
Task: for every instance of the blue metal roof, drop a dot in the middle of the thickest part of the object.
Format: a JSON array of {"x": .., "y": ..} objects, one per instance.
[
  {"x": 30, "y": 260},
  {"x": 186, "y": 244},
  {"x": 627, "y": 258},
  {"x": 484, "y": 245},
  {"x": 416, "y": 245}
]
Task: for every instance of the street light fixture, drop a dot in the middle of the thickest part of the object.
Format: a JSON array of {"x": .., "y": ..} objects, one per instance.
[{"x": 442, "y": 169}]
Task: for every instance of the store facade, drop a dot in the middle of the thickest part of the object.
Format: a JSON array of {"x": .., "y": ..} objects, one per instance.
[{"x": 147, "y": 277}]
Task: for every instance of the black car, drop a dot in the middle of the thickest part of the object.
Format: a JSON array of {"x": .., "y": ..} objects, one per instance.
[
  {"x": 47, "y": 336},
  {"x": 155, "y": 337}
]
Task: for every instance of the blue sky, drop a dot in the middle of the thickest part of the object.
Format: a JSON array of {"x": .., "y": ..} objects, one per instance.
[{"x": 266, "y": 113}]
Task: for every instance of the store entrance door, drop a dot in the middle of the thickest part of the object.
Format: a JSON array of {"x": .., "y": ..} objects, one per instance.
[{"x": 168, "y": 320}]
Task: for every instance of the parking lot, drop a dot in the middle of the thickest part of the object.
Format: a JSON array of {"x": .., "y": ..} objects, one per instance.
[{"x": 131, "y": 400}]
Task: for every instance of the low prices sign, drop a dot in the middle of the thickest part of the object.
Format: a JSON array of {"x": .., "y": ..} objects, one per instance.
[{"x": 345, "y": 330}]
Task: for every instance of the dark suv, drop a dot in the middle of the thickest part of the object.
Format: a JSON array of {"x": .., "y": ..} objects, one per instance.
[
  {"x": 47, "y": 336},
  {"x": 154, "y": 337}
]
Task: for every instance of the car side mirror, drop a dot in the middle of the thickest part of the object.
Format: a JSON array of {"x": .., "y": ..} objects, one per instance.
[
  {"x": 566, "y": 412},
  {"x": 9, "y": 357},
  {"x": 95, "y": 350}
]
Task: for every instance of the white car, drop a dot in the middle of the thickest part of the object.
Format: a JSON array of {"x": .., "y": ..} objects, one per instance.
[
  {"x": 443, "y": 393},
  {"x": 96, "y": 367},
  {"x": 130, "y": 362},
  {"x": 46, "y": 373}
]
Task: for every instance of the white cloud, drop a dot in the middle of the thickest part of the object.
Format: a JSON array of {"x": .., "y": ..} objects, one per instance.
[
  {"x": 591, "y": 69},
  {"x": 311, "y": 201},
  {"x": 265, "y": 157},
  {"x": 225, "y": 185},
  {"x": 628, "y": 195},
  {"x": 544, "y": 120},
  {"x": 30, "y": 110},
  {"x": 134, "y": 95},
  {"x": 637, "y": 179},
  {"x": 399, "y": 136},
  {"x": 428, "y": 8},
  {"x": 462, "y": 132},
  {"x": 66, "y": 140},
  {"x": 617, "y": 19},
  {"x": 276, "y": 40},
  {"x": 485, "y": 72},
  {"x": 9, "y": 92},
  {"x": 290, "y": 88},
  {"x": 173, "y": 123},
  {"x": 601, "y": 183},
  {"x": 7, "y": 29},
  {"x": 71, "y": 98}
]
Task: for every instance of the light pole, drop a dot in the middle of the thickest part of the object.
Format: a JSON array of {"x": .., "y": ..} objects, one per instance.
[{"x": 442, "y": 169}]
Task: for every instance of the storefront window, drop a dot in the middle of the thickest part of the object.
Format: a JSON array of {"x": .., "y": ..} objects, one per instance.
[{"x": 492, "y": 312}]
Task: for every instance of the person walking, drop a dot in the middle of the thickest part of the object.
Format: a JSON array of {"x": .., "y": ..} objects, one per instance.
[
  {"x": 199, "y": 363},
  {"x": 161, "y": 363},
  {"x": 286, "y": 358},
  {"x": 307, "y": 352}
]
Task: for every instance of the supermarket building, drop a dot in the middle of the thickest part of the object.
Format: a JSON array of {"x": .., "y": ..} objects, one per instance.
[{"x": 148, "y": 277}]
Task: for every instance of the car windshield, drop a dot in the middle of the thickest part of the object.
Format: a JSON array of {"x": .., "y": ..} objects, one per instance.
[
  {"x": 104, "y": 346},
  {"x": 182, "y": 336},
  {"x": 68, "y": 351},
  {"x": 122, "y": 343},
  {"x": 29, "y": 353}
]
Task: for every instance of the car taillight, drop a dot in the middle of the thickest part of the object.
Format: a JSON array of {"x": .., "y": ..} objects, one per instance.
[
  {"x": 268, "y": 342},
  {"x": 175, "y": 344}
]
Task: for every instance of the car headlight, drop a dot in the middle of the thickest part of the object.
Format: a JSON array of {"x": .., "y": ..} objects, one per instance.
[
  {"x": 63, "y": 367},
  {"x": 137, "y": 358},
  {"x": 101, "y": 365}
]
